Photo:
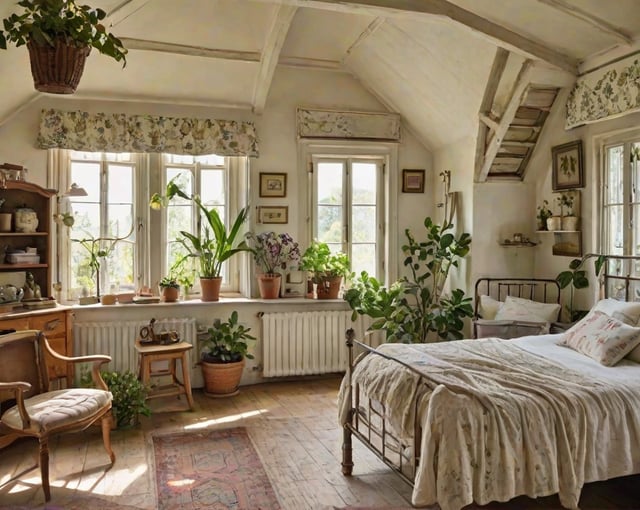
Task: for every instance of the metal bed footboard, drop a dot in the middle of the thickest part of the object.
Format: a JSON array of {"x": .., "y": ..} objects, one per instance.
[{"x": 368, "y": 421}]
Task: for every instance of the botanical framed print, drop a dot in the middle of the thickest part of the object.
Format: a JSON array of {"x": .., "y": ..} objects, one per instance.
[
  {"x": 412, "y": 181},
  {"x": 273, "y": 185},
  {"x": 567, "y": 166},
  {"x": 273, "y": 214}
]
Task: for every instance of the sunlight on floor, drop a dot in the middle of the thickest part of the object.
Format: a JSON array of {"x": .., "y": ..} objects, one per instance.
[{"x": 226, "y": 419}]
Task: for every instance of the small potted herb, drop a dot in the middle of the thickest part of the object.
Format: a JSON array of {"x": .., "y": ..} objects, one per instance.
[
  {"x": 327, "y": 269},
  {"x": 170, "y": 289},
  {"x": 544, "y": 213}
]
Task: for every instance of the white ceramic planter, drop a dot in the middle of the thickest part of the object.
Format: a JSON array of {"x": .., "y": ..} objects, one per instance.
[{"x": 554, "y": 223}]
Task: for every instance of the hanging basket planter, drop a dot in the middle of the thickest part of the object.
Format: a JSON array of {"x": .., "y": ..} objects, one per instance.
[{"x": 57, "y": 69}]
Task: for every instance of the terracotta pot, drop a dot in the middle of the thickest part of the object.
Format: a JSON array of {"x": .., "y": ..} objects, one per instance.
[
  {"x": 329, "y": 288},
  {"x": 170, "y": 294},
  {"x": 222, "y": 379},
  {"x": 269, "y": 285},
  {"x": 210, "y": 288}
]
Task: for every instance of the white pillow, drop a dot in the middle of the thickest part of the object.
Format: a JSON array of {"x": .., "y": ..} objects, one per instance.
[
  {"x": 489, "y": 307},
  {"x": 520, "y": 309},
  {"x": 625, "y": 311},
  {"x": 634, "y": 355},
  {"x": 602, "y": 337}
]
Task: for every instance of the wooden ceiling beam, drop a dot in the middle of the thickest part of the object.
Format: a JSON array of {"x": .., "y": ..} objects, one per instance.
[
  {"x": 191, "y": 51},
  {"x": 518, "y": 92},
  {"x": 271, "y": 54},
  {"x": 413, "y": 9},
  {"x": 596, "y": 22}
]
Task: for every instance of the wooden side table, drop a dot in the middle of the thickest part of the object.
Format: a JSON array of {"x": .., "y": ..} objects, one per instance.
[{"x": 148, "y": 354}]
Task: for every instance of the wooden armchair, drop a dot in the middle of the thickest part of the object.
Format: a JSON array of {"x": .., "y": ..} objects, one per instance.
[{"x": 29, "y": 409}]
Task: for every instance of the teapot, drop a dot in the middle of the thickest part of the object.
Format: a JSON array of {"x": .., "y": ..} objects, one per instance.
[{"x": 10, "y": 293}]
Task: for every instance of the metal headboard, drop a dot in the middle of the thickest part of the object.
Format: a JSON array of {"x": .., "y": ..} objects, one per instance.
[
  {"x": 536, "y": 289},
  {"x": 620, "y": 277}
]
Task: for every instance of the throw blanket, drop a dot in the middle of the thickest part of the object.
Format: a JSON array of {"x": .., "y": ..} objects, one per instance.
[{"x": 498, "y": 421}]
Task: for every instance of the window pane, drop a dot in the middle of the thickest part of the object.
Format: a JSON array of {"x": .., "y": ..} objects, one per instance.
[
  {"x": 210, "y": 160},
  {"x": 364, "y": 223},
  {"x": 363, "y": 181},
  {"x": 87, "y": 221},
  {"x": 120, "y": 268},
  {"x": 120, "y": 184},
  {"x": 614, "y": 215},
  {"x": 87, "y": 176},
  {"x": 329, "y": 224},
  {"x": 212, "y": 189},
  {"x": 179, "y": 215},
  {"x": 363, "y": 258},
  {"x": 615, "y": 162},
  {"x": 330, "y": 183},
  {"x": 120, "y": 221}
]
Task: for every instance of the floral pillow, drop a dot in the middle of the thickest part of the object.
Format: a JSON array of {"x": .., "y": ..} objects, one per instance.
[
  {"x": 601, "y": 337},
  {"x": 520, "y": 309}
]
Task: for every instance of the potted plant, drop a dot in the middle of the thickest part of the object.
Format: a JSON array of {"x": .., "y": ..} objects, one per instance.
[
  {"x": 272, "y": 253},
  {"x": 544, "y": 213},
  {"x": 569, "y": 220},
  {"x": 59, "y": 35},
  {"x": 170, "y": 289},
  {"x": 576, "y": 278},
  {"x": 129, "y": 395},
  {"x": 327, "y": 269},
  {"x": 212, "y": 246},
  {"x": 415, "y": 308},
  {"x": 223, "y": 354}
]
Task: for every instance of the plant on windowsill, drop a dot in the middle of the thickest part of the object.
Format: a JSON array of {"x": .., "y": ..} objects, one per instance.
[
  {"x": 327, "y": 269},
  {"x": 415, "y": 309},
  {"x": 170, "y": 289},
  {"x": 59, "y": 35},
  {"x": 272, "y": 253},
  {"x": 223, "y": 354},
  {"x": 212, "y": 246}
]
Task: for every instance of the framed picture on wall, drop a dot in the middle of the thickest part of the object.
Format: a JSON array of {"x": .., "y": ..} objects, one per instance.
[
  {"x": 273, "y": 214},
  {"x": 273, "y": 185},
  {"x": 567, "y": 167},
  {"x": 412, "y": 180}
]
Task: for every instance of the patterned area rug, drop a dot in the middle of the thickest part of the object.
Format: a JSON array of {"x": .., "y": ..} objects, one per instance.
[
  {"x": 75, "y": 503},
  {"x": 213, "y": 470}
]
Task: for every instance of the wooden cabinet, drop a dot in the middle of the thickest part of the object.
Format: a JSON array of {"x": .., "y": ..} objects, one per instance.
[
  {"x": 17, "y": 194},
  {"x": 57, "y": 324}
]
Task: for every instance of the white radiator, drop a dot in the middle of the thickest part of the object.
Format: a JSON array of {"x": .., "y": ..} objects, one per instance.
[
  {"x": 307, "y": 342},
  {"x": 117, "y": 339}
]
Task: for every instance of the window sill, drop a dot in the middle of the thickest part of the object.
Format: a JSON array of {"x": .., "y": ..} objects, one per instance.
[{"x": 224, "y": 300}]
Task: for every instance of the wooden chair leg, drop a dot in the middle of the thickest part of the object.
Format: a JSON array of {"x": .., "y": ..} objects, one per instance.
[
  {"x": 106, "y": 435},
  {"x": 44, "y": 467}
]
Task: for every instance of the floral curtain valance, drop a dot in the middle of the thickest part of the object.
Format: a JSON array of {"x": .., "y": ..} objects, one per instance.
[
  {"x": 610, "y": 91},
  {"x": 314, "y": 123},
  {"x": 119, "y": 132}
]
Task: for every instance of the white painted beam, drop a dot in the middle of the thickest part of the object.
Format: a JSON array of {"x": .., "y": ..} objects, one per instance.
[
  {"x": 192, "y": 51},
  {"x": 312, "y": 63},
  {"x": 414, "y": 9},
  {"x": 124, "y": 9},
  {"x": 596, "y": 22},
  {"x": 139, "y": 98},
  {"x": 519, "y": 90},
  {"x": 271, "y": 54},
  {"x": 373, "y": 26}
]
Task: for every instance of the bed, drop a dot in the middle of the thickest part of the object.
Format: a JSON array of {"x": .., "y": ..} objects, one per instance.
[{"x": 490, "y": 419}]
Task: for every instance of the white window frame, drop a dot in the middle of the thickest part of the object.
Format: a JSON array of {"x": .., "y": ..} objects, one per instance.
[
  {"x": 623, "y": 138},
  {"x": 314, "y": 150}
]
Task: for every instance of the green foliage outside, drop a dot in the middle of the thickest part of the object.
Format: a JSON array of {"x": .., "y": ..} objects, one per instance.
[{"x": 414, "y": 308}]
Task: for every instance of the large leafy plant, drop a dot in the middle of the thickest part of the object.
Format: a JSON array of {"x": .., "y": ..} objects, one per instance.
[
  {"x": 576, "y": 278},
  {"x": 227, "y": 341},
  {"x": 45, "y": 21},
  {"x": 214, "y": 244},
  {"x": 415, "y": 309}
]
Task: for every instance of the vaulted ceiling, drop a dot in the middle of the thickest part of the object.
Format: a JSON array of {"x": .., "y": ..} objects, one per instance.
[{"x": 433, "y": 61}]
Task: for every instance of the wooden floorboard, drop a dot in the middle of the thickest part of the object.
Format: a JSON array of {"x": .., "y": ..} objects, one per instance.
[{"x": 294, "y": 427}]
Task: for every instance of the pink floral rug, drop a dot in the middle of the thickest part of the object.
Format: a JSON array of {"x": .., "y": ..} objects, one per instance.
[{"x": 213, "y": 470}]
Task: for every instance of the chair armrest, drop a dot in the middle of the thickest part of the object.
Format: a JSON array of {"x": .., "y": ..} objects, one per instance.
[
  {"x": 19, "y": 387},
  {"x": 96, "y": 359}
]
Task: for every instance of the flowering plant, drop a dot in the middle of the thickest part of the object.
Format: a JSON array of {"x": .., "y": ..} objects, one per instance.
[{"x": 273, "y": 251}]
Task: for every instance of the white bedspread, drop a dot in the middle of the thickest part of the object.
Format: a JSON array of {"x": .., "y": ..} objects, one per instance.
[{"x": 505, "y": 418}]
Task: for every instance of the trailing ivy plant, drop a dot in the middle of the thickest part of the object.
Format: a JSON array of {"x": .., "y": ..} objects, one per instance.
[{"x": 414, "y": 309}]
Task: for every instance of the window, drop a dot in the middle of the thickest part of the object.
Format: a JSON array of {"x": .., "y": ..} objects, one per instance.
[
  {"x": 621, "y": 198},
  {"x": 105, "y": 214},
  {"x": 347, "y": 211},
  {"x": 206, "y": 176}
]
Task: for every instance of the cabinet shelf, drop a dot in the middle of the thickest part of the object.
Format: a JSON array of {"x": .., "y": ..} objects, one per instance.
[
  {"x": 557, "y": 231},
  {"x": 23, "y": 234},
  {"x": 529, "y": 244},
  {"x": 22, "y": 266}
]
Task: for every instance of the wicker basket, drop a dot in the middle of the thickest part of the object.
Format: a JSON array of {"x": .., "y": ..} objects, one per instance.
[{"x": 57, "y": 69}]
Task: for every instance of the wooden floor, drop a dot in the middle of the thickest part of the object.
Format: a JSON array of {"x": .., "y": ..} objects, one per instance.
[{"x": 295, "y": 430}]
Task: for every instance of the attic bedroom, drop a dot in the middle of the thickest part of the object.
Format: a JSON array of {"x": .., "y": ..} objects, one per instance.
[{"x": 376, "y": 189}]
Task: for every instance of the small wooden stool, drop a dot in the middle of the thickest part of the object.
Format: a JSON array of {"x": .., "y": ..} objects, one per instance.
[{"x": 148, "y": 354}]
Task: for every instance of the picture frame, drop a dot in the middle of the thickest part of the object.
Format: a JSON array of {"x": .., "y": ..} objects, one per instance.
[
  {"x": 412, "y": 180},
  {"x": 273, "y": 214},
  {"x": 567, "y": 166},
  {"x": 273, "y": 185}
]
